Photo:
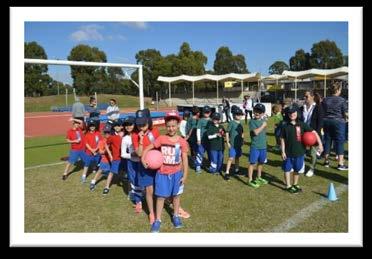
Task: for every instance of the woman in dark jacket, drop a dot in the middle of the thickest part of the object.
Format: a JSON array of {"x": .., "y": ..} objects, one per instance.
[{"x": 312, "y": 114}]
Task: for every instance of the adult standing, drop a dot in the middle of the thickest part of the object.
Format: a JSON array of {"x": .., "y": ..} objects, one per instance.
[
  {"x": 335, "y": 117},
  {"x": 248, "y": 107},
  {"x": 312, "y": 115},
  {"x": 113, "y": 111},
  {"x": 94, "y": 111},
  {"x": 226, "y": 108},
  {"x": 78, "y": 110}
]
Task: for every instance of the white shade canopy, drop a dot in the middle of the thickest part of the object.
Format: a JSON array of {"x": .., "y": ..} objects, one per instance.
[
  {"x": 252, "y": 77},
  {"x": 329, "y": 73}
]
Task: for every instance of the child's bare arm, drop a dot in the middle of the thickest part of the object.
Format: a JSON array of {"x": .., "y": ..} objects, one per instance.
[
  {"x": 149, "y": 147},
  {"x": 185, "y": 162},
  {"x": 282, "y": 143},
  {"x": 108, "y": 152},
  {"x": 259, "y": 129}
]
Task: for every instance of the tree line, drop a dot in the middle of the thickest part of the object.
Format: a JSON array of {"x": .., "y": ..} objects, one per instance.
[{"x": 112, "y": 80}]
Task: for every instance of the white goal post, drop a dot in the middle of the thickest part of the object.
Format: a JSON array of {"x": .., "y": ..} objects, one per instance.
[{"x": 96, "y": 64}]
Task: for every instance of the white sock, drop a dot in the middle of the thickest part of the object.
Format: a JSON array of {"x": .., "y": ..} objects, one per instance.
[{"x": 93, "y": 181}]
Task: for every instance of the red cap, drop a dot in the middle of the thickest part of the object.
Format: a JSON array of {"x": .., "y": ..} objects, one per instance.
[{"x": 172, "y": 115}]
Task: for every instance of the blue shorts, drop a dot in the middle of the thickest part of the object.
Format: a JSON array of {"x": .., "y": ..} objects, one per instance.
[
  {"x": 257, "y": 155},
  {"x": 104, "y": 167},
  {"x": 295, "y": 163},
  {"x": 74, "y": 156},
  {"x": 167, "y": 185},
  {"x": 89, "y": 159},
  {"x": 235, "y": 152},
  {"x": 146, "y": 177},
  {"x": 115, "y": 166}
]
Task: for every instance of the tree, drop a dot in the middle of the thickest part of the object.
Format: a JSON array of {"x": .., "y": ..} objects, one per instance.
[
  {"x": 300, "y": 61},
  {"x": 226, "y": 62},
  {"x": 278, "y": 67},
  {"x": 326, "y": 54},
  {"x": 36, "y": 78},
  {"x": 86, "y": 79},
  {"x": 346, "y": 60}
]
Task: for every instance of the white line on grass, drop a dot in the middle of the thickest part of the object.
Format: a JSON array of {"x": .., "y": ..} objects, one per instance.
[
  {"x": 44, "y": 165},
  {"x": 305, "y": 213}
]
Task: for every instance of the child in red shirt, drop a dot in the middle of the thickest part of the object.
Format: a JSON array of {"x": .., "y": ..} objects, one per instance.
[
  {"x": 75, "y": 136},
  {"x": 144, "y": 137},
  {"x": 172, "y": 175}
]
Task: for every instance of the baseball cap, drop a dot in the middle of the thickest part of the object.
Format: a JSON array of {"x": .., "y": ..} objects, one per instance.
[
  {"x": 107, "y": 128},
  {"x": 206, "y": 109},
  {"x": 238, "y": 111},
  {"x": 259, "y": 107},
  {"x": 129, "y": 120},
  {"x": 141, "y": 121},
  {"x": 292, "y": 109},
  {"x": 172, "y": 115},
  {"x": 216, "y": 116}
]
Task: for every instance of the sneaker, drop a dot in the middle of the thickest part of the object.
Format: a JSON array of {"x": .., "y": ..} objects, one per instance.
[
  {"x": 92, "y": 187},
  {"x": 151, "y": 218},
  {"x": 155, "y": 227},
  {"x": 138, "y": 207},
  {"x": 64, "y": 177},
  {"x": 297, "y": 187},
  {"x": 237, "y": 171},
  {"x": 198, "y": 170},
  {"x": 83, "y": 179},
  {"x": 253, "y": 184},
  {"x": 292, "y": 190},
  {"x": 326, "y": 163},
  {"x": 342, "y": 167},
  {"x": 183, "y": 214},
  {"x": 310, "y": 173},
  {"x": 261, "y": 181},
  {"x": 226, "y": 177},
  {"x": 106, "y": 191},
  {"x": 177, "y": 223}
]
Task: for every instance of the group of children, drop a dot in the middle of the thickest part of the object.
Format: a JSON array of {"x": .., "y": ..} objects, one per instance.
[
  {"x": 121, "y": 148},
  {"x": 125, "y": 144}
]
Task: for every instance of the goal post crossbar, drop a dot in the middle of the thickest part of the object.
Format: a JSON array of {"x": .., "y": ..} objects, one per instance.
[{"x": 97, "y": 64}]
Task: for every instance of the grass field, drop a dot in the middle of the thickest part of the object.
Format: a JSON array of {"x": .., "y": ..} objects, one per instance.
[
  {"x": 42, "y": 104},
  {"x": 53, "y": 205}
]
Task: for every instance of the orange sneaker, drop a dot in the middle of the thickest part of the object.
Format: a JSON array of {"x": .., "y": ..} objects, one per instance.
[
  {"x": 151, "y": 218},
  {"x": 183, "y": 214},
  {"x": 138, "y": 207}
]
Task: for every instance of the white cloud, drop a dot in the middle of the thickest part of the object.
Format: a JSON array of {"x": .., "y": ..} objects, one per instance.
[
  {"x": 136, "y": 25},
  {"x": 87, "y": 32}
]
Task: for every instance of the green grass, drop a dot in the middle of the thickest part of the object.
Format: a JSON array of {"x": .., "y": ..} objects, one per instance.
[
  {"x": 44, "y": 103},
  {"x": 52, "y": 205}
]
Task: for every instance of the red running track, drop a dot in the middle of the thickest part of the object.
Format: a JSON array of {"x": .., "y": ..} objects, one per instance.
[{"x": 38, "y": 124}]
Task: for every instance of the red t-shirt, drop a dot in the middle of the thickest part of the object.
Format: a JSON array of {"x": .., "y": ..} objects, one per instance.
[
  {"x": 172, "y": 153},
  {"x": 74, "y": 134},
  {"x": 114, "y": 141},
  {"x": 146, "y": 140},
  {"x": 92, "y": 140},
  {"x": 102, "y": 149}
]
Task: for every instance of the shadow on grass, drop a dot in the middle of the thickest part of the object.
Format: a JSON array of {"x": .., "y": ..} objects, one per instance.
[
  {"x": 321, "y": 194},
  {"x": 332, "y": 176},
  {"x": 49, "y": 145}
]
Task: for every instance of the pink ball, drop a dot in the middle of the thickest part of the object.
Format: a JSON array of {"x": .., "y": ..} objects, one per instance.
[
  {"x": 309, "y": 139},
  {"x": 154, "y": 159}
]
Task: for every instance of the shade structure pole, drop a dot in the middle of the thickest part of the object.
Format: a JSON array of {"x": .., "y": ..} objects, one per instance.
[
  {"x": 170, "y": 95},
  {"x": 217, "y": 93},
  {"x": 241, "y": 83},
  {"x": 193, "y": 95},
  {"x": 325, "y": 85},
  {"x": 295, "y": 88}
]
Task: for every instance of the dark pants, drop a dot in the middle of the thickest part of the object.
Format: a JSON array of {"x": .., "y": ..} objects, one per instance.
[
  {"x": 246, "y": 115},
  {"x": 334, "y": 131}
]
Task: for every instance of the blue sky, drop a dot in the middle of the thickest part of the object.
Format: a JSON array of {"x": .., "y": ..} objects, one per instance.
[{"x": 262, "y": 43}]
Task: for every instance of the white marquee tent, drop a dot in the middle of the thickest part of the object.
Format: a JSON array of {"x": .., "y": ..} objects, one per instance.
[{"x": 253, "y": 77}]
